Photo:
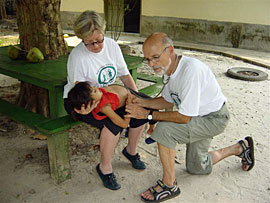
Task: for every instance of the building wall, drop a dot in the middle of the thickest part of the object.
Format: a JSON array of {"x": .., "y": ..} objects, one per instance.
[
  {"x": 237, "y": 11},
  {"x": 82, "y": 5},
  {"x": 70, "y": 9},
  {"x": 231, "y": 23}
]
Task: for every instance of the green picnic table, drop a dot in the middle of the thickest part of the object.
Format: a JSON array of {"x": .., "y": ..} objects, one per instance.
[{"x": 50, "y": 75}]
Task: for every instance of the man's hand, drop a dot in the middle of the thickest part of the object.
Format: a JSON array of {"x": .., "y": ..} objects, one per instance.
[
  {"x": 86, "y": 110},
  {"x": 136, "y": 111},
  {"x": 139, "y": 101}
]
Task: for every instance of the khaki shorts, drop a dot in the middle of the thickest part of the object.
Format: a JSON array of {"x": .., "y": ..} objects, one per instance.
[{"x": 197, "y": 135}]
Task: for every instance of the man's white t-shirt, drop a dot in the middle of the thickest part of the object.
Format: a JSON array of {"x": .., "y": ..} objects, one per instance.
[
  {"x": 100, "y": 69},
  {"x": 194, "y": 89}
]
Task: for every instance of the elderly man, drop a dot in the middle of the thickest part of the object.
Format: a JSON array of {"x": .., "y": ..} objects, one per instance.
[{"x": 201, "y": 114}]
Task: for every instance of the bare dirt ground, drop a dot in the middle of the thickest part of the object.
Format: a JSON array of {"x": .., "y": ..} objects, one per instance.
[{"x": 24, "y": 169}]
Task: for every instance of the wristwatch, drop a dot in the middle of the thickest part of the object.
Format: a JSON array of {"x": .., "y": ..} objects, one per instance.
[{"x": 150, "y": 117}]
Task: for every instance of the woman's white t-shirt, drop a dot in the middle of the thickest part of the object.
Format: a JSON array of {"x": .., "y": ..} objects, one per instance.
[
  {"x": 194, "y": 89},
  {"x": 100, "y": 69}
]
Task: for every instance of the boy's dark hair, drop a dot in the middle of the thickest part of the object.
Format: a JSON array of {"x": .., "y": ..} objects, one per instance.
[{"x": 80, "y": 94}]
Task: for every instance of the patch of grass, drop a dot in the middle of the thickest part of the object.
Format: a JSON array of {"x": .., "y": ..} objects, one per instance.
[{"x": 11, "y": 40}]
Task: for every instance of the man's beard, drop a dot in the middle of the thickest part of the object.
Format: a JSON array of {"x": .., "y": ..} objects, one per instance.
[{"x": 163, "y": 70}]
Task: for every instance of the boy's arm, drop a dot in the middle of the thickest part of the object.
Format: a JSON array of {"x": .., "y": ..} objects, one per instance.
[{"x": 115, "y": 118}]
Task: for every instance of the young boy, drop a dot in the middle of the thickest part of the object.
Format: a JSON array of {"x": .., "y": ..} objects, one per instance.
[{"x": 109, "y": 99}]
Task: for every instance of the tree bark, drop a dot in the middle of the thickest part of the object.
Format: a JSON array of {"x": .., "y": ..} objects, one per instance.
[
  {"x": 3, "y": 14},
  {"x": 39, "y": 25}
]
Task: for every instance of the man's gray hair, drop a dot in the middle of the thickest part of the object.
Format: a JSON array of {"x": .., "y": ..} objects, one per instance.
[
  {"x": 87, "y": 22},
  {"x": 167, "y": 41}
]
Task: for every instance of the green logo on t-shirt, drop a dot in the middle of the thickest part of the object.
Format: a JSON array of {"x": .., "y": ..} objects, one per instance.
[
  {"x": 176, "y": 99},
  {"x": 106, "y": 75}
]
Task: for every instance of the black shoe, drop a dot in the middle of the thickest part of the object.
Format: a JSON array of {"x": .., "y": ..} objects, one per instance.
[
  {"x": 109, "y": 180},
  {"x": 149, "y": 140},
  {"x": 126, "y": 133},
  {"x": 134, "y": 159}
]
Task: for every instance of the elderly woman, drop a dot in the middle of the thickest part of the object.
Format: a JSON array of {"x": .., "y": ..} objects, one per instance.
[{"x": 99, "y": 60}]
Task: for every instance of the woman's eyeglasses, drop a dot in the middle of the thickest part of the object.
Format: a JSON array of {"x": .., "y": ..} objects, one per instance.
[{"x": 92, "y": 44}]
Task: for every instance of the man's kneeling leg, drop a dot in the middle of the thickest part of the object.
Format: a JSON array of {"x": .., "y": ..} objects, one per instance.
[{"x": 198, "y": 159}]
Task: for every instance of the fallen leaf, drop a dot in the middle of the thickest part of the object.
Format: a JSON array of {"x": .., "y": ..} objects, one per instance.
[
  {"x": 3, "y": 130},
  {"x": 39, "y": 137},
  {"x": 29, "y": 156},
  {"x": 93, "y": 147}
]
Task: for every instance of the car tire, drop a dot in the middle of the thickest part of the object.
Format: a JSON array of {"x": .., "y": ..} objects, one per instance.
[{"x": 249, "y": 74}]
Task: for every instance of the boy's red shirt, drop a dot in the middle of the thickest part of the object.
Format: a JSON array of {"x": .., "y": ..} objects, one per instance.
[{"x": 107, "y": 98}]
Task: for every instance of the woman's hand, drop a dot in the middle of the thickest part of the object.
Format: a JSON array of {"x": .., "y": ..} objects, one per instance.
[
  {"x": 130, "y": 98},
  {"x": 86, "y": 110}
]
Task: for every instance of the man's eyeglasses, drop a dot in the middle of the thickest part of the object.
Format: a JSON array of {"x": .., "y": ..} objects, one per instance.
[
  {"x": 92, "y": 44},
  {"x": 155, "y": 59}
]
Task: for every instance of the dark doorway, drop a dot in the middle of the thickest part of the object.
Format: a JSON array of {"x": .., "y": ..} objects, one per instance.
[
  {"x": 132, "y": 16},
  {"x": 10, "y": 7}
]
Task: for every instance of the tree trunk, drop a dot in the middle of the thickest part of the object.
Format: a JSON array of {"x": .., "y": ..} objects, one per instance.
[
  {"x": 3, "y": 14},
  {"x": 39, "y": 25}
]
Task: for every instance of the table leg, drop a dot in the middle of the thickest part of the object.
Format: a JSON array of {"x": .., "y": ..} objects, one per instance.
[
  {"x": 53, "y": 103},
  {"x": 58, "y": 148}
]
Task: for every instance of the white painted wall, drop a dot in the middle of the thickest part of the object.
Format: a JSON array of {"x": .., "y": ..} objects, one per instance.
[
  {"x": 82, "y": 5},
  {"x": 242, "y": 11}
]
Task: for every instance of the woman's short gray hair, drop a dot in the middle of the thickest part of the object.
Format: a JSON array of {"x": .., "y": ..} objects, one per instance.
[{"x": 87, "y": 22}]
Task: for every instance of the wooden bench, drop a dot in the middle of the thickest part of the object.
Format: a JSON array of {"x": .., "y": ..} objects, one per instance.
[
  {"x": 56, "y": 132},
  {"x": 152, "y": 89},
  {"x": 51, "y": 75}
]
